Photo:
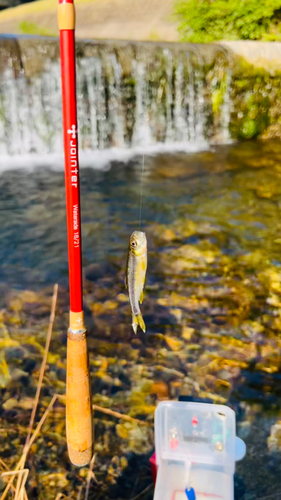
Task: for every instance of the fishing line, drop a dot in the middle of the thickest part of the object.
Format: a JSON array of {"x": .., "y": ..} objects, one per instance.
[{"x": 142, "y": 171}]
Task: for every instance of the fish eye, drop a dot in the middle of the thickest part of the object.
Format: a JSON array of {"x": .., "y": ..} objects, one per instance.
[{"x": 133, "y": 243}]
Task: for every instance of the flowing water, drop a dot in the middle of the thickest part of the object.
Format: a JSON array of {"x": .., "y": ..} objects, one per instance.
[
  {"x": 213, "y": 293},
  {"x": 137, "y": 95},
  {"x": 212, "y": 305}
]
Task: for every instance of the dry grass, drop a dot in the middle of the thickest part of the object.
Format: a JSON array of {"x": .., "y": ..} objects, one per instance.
[
  {"x": 120, "y": 415},
  {"x": 44, "y": 362},
  {"x": 26, "y": 9},
  {"x": 112, "y": 19},
  {"x": 21, "y": 472},
  {"x": 90, "y": 476}
]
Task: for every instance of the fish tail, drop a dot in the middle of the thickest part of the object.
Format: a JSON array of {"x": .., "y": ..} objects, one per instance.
[{"x": 138, "y": 320}]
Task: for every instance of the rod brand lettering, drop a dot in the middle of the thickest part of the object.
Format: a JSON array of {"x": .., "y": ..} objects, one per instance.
[
  {"x": 73, "y": 156},
  {"x": 72, "y": 131}
]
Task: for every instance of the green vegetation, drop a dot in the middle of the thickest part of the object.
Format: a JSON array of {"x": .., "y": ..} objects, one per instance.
[
  {"x": 33, "y": 29},
  {"x": 209, "y": 20}
]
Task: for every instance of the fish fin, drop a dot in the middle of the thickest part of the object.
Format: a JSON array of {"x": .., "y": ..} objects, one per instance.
[
  {"x": 141, "y": 323},
  {"x": 135, "y": 323},
  {"x": 138, "y": 320}
]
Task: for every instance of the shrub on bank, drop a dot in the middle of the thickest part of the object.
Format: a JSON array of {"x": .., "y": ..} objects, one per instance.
[{"x": 209, "y": 20}]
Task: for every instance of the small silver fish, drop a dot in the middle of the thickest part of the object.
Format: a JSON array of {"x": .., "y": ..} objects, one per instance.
[{"x": 135, "y": 276}]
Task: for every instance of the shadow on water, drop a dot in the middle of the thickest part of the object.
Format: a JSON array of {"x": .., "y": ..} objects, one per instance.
[{"x": 212, "y": 309}]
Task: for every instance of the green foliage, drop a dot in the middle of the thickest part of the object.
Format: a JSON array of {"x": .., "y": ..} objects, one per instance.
[
  {"x": 33, "y": 29},
  {"x": 210, "y": 20}
]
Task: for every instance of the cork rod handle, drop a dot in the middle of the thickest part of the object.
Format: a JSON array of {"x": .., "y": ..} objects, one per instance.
[{"x": 79, "y": 429}]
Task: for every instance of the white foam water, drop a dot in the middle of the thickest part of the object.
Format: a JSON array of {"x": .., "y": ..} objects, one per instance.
[{"x": 96, "y": 159}]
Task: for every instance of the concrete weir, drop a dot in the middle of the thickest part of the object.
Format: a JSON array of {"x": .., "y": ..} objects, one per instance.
[{"x": 139, "y": 94}]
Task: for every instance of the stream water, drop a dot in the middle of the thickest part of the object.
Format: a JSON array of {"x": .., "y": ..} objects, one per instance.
[{"x": 212, "y": 308}]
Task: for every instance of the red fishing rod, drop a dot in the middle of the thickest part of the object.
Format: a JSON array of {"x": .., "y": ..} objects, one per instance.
[{"x": 78, "y": 394}]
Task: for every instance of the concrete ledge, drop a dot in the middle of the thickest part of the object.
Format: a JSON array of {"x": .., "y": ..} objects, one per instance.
[{"x": 262, "y": 55}]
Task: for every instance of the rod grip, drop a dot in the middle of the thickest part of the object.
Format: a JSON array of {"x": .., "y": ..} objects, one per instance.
[{"x": 79, "y": 426}]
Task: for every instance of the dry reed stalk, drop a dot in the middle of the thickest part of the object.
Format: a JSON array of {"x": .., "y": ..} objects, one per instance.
[
  {"x": 119, "y": 415},
  {"x": 19, "y": 483},
  {"x": 59, "y": 496},
  {"x": 2, "y": 463},
  {"x": 10, "y": 483},
  {"x": 39, "y": 385},
  {"x": 20, "y": 490},
  {"x": 30, "y": 440},
  {"x": 143, "y": 491},
  {"x": 33, "y": 438},
  {"x": 80, "y": 492},
  {"x": 90, "y": 476},
  {"x": 273, "y": 496},
  {"x": 21, "y": 494},
  {"x": 43, "y": 418},
  {"x": 5, "y": 466},
  {"x": 44, "y": 362}
]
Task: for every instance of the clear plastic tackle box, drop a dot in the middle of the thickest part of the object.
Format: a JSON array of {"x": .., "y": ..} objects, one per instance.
[{"x": 196, "y": 449}]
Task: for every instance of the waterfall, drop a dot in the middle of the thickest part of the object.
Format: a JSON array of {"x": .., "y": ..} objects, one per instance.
[
  {"x": 128, "y": 95},
  {"x": 142, "y": 132}
]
